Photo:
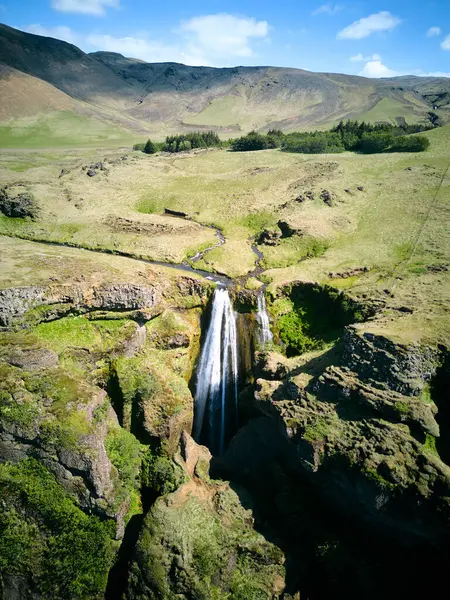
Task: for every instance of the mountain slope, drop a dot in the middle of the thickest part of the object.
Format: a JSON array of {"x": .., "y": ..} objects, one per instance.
[{"x": 160, "y": 98}]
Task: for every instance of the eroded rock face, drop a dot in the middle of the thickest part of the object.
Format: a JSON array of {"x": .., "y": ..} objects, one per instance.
[
  {"x": 403, "y": 369},
  {"x": 61, "y": 300},
  {"x": 270, "y": 365},
  {"x": 363, "y": 430},
  {"x": 48, "y": 415},
  {"x": 199, "y": 542}
]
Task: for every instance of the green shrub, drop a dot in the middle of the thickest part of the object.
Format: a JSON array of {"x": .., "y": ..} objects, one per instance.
[
  {"x": 318, "y": 315},
  {"x": 374, "y": 143},
  {"x": 293, "y": 332},
  {"x": 250, "y": 142},
  {"x": 158, "y": 474},
  {"x": 317, "y": 142},
  {"x": 149, "y": 147}
]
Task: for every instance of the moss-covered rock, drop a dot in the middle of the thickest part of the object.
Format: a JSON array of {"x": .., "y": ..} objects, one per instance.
[
  {"x": 199, "y": 543},
  {"x": 49, "y": 547},
  {"x": 308, "y": 314}
]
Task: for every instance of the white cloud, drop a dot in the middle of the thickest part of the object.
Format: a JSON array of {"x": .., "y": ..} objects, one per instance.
[
  {"x": 222, "y": 35},
  {"x": 60, "y": 32},
  {"x": 361, "y": 58},
  {"x": 214, "y": 40},
  {"x": 446, "y": 43},
  {"x": 375, "y": 68},
  {"x": 86, "y": 7},
  {"x": 382, "y": 21},
  {"x": 327, "y": 9},
  {"x": 134, "y": 47},
  {"x": 434, "y": 31},
  {"x": 206, "y": 40}
]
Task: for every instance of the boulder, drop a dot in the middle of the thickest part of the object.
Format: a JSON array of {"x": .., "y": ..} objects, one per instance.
[
  {"x": 327, "y": 197},
  {"x": 18, "y": 202},
  {"x": 269, "y": 237}
]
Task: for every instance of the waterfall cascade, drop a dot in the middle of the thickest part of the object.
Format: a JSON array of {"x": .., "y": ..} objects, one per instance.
[
  {"x": 262, "y": 317},
  {"x": 217, "y": 377}
]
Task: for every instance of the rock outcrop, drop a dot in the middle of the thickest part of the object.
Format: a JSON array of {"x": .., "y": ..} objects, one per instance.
[
  {"x": 52, "y": 302},
  {"x": 200, "y": 542},
  {"x": 18, "y": 202}
]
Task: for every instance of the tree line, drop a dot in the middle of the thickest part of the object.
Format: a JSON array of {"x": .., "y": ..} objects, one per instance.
[
  {"x": 355, "y": 136},
  {"x": 349, "y": 135}
]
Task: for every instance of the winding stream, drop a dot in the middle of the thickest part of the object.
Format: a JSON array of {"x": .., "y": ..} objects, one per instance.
[{"x": 185, "y": 266}]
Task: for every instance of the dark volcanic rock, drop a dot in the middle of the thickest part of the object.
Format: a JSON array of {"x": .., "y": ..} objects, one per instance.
[
  {"x": 17, "y": 202},
  {"x": 176, "y": 213},
  {"x": 91, "y": 173},
  {"x": 327, "y": 197},
  {"x": 269, "y": 237}
]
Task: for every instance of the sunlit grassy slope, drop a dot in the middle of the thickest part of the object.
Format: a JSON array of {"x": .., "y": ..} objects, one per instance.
[
  {"x": 388, "y": 110},
  {"x": 61, "y": 130}
]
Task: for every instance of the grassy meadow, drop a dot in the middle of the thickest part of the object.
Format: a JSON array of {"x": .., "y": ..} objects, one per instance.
[{"x": 388, "y": 215}]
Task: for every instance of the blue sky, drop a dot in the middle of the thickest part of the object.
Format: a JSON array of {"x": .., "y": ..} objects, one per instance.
[{"x": 376, "y": 39}]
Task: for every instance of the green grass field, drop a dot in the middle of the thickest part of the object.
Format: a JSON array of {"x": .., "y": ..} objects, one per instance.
[
  {"x": 396, "y": 226},
  {"x": 388, "y": 109},
  {"x": 62, "y": 129}
]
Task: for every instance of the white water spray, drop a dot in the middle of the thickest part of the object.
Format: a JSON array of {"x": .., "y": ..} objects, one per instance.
[
  {"x": 217, "y": 375},
  {"x": 262, "y": 317}
]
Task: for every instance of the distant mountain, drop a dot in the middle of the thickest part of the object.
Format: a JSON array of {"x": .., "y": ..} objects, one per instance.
[{"x": 162, "y": 97}]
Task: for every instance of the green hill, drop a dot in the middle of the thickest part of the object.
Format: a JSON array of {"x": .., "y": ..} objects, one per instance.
[{"x": 134, "y": 98}]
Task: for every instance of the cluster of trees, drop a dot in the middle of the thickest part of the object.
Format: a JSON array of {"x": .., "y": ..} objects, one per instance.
[
  {"x": 180, "y": 143},
  {"x": 381, "y": 137},
  {"x": 189, "y": 141},
  {"x": 349, "y": 135},
  {"x": 257, "y": 141},
  {"x": 316, "y": 142}
]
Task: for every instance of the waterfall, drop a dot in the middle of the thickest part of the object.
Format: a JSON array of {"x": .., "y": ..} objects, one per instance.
[
  {"x": 262, "y": 317},
  {"x": 217, "y": 376}
]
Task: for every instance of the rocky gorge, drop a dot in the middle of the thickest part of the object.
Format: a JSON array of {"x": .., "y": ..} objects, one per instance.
[{"x": 337, "y": 465}]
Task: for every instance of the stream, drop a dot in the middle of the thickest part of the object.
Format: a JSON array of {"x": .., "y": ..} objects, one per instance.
[{"x": 185, "y": 266}]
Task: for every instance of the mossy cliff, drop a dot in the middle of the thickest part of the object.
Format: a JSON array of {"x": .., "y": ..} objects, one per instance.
[
  {"x": 339, "y": 465},
  {"x": 75, "y": 448},
  {"x": 341, "y": 454}
]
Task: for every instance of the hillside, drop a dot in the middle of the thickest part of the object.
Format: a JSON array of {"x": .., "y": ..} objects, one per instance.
[{"x": 134, "y": 98}]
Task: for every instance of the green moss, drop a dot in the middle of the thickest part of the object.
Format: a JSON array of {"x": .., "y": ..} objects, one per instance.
[
  {"x": 256, "y": 222},
  {"x": 293, "y": 330},
  {"x": 430, "y": 444},
  {"x": 46, "y": 539},
  {"x": 82, "y": 332},
  {"x": 47, "y": 403},
  {"x": 158, "y": 473},
  {"x": 220, "y": 555},
  {"x": 318, "y": 431},
  {"x": 125, "y": 453},
  {"x": 426, "y": 394},
  {"x": 377, "y": 478},
  {"x": 307, "y": 315},
  {"x": 403, "y": 408}
]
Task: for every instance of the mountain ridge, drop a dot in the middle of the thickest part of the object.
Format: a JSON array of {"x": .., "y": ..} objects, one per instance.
[{"x": 158, "y": 98}]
